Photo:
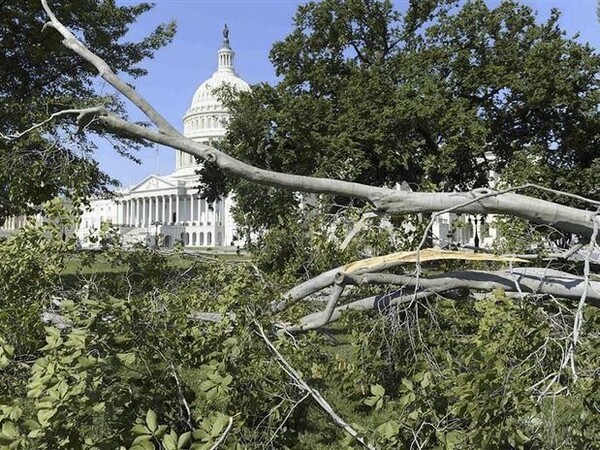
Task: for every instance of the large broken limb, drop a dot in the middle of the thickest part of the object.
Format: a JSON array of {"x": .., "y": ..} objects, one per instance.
[
  {"x": 379, "y": 303},
  {"x": 530, "y": 280},
  {"x": 479, "y": 201},
  {"x": 377, "y": 264},
  {"x": 316, "y": 395},
  {"x": 105, "y": 71}
]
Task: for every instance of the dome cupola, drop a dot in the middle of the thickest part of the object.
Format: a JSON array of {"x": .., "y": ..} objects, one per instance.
[{"x": 206, "y": 119}]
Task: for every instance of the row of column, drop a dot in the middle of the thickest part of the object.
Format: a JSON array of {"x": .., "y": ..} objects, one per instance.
[
  {"x": 169, "y": 210},
  {"x": 13, "y": 223}
]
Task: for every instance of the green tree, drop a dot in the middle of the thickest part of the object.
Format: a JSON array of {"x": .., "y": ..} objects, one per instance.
[
  {"x": 436, "y": 96},
  {"x": 150, "y": 356},
  {"x": 39, "y": 77}
]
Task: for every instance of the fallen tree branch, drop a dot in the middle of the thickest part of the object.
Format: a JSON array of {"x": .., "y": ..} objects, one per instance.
[
  {"x": 380, "y": 303},
  {"x": 377, "y": 264},
  {"x": 104, "y": 70},
  {"x": 532, "y": 281},
  {"x": 286, "y": 366}
]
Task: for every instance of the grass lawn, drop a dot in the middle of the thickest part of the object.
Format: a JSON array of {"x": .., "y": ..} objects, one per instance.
[{"x": 101, "y": 264}]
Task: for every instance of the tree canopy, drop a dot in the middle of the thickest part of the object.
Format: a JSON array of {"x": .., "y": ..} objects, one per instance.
[
  {"x": 436, "y": 96},
  {"x": 40, "y": 77}
]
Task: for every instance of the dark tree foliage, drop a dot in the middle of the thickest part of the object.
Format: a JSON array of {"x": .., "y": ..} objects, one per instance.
[
  {"x": 435, "y": 96},
  {"x": 40, "y": 76}
]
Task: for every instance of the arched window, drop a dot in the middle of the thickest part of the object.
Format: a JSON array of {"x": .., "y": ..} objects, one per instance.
[
  {"x": 209, "y": 238},
  {"x": 201, "y": 239},
  {"x": 194, "y": 238}
]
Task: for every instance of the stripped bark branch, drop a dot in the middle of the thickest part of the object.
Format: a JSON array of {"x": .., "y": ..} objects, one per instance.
[
  {"x": 526, "y": 281},
  {"x": 287, "y": 367}
]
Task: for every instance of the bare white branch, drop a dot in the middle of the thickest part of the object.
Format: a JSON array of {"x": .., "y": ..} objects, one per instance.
[{"x": 287, "y": 367}]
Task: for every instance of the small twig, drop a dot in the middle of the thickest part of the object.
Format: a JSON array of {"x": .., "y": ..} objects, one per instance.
[
  {"x": 285, "y": 365},
  {"x": 578, "y": 321},
  {"x": 188, "y": 419},
  {"x": 287, "y": 416},
  {"x": 81, "y": 115},
  {"x": 358, "y": 226},
  {"x": 223, "y": 436}
]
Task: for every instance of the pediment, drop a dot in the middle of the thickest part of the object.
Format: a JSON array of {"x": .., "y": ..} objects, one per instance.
[{"x": 152, "y": 183}]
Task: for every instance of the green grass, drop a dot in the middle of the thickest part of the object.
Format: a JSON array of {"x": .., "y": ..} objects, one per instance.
[{"x": 101, "y": 264}]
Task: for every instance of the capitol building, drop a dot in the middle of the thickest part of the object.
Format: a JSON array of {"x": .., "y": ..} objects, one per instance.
[{"x": 163, "y": 210}]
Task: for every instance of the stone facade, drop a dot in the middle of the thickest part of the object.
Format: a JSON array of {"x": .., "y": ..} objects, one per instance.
[{"x": 166, "y": 209}]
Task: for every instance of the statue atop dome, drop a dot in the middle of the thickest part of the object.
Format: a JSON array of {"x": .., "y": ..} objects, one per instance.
[{"x": 226, "y": 36}]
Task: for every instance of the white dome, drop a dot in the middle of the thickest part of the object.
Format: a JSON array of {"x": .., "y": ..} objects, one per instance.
[
  {"x": 206, "y": 97},
  {"x": 206, "y": 119}
]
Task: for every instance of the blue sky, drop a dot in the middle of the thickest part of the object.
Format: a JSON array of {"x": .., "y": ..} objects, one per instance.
[{"x": 178, "y": 69}]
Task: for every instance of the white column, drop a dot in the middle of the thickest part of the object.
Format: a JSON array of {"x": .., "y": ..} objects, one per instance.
[
  {"x": 140, "y": 214},
  {"x": 165, "y": 209},
  {"x": 191, "y": 207},
  {"x": 149, "y": 211},
  {"x": 170, "y": 208},
  {"x": 178, "y": 219}
]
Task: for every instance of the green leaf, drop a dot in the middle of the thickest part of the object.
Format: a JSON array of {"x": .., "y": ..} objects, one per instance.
[
  {"x": 151, "y": 420},
  {"x": 140, "y": 429},
  {"x": 407, "y": 384},
  {"x": 220, "y": 421},
  {"x": 426, "y": 381},
  {"x": 452, "y": 439},
  {"x": 144, "y": 445},
  {"x": 142, "y": 438},
  {"x": 99, "y": 407},
  {"x": 160, "y": 430},
  {"x": 128, "y": 359},
  {"x": 371, "y": 401},
  {"x": 170, "y": 441},
  {"x": 44, "y": 416},
  {"x": 184, "y": 440},
  {"x": 388, "y": 429},
  {"x": 378, "y": 390},
  {"x": 10, "y": 430}
]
